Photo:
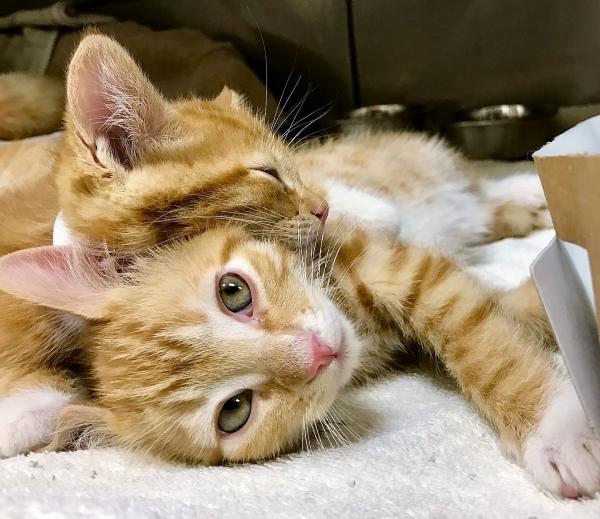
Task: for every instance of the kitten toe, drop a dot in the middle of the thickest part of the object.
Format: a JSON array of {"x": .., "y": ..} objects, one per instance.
[
  {"x": 562, "y": 454},
  {"x": 512, "y": 220},
  {"x": 28, "y": 419},
  {"x": 518, "y": 206}
]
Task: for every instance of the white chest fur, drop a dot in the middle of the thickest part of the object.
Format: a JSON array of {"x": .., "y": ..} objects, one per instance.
[
  {"x": 362, "y": 208},
  {"x": 447, "y": 217}
]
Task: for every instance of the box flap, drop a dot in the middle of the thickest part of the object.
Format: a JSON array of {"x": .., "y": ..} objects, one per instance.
[
  {"x": 572, "y": 319},
  {"x": 582, "y": 139}
]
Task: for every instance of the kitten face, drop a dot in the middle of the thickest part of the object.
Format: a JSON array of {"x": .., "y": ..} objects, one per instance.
[
  {"x": 136, "y": 170},
  {"x": 186, "y": 378}
]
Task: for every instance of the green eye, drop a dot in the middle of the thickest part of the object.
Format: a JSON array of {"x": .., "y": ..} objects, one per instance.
[
  {"x": 235, "y": 293},
  {"x": 235, "y": 412}
]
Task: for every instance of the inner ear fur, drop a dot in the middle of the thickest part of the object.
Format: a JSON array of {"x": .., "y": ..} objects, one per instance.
[
  {"x": 65, "y": 277},
  {"x": 115, "y": 110}
]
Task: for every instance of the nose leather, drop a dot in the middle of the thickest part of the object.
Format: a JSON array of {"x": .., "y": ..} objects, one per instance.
[{"x": 322, "y": 354}]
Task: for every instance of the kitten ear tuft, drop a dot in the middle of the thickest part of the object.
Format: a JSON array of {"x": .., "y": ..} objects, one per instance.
[
  {"x": 64, "y": 278},
  {"x": 114, "y": 108},
  {"x": 229, "y": 98}
]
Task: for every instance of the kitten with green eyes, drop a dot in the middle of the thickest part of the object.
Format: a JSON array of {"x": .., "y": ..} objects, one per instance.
[{"x": 223, "y": 347}]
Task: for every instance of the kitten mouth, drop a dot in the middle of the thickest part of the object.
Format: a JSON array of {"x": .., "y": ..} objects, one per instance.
[{"x": 323, "y": 367}]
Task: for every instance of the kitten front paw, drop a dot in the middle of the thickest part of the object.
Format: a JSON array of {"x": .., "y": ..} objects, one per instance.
[
  {"x": 563, "y": 452},
  {"x": 28, "y": 419}
]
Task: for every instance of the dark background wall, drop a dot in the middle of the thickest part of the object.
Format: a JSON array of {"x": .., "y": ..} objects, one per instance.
[
  {"x": 474, "y": 52},
  {"x": 462, "y": 53}
]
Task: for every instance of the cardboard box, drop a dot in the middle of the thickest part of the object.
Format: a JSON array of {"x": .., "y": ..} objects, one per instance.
[{"x": 567, "y": 272}]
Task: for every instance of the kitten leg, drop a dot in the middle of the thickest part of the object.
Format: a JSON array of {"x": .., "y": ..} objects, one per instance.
[
  {"x": 523, "y": 303},
  {"x": 512, "y": 381},
  {"x": 29, "y": 410},
  {"x": 517, "y": 206},
  {"x": 511, "y": 220},
  {"x": 563, "y": 452},
  {"x": 507, "y": 375}
]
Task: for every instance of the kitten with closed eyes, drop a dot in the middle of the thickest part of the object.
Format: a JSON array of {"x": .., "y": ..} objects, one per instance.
[{"x": 145, "y": 173}]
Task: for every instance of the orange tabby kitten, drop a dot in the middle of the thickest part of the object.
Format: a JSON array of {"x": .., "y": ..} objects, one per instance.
[
  {"x": 224, "y": 348},
  {"x": 134, "y": 170}
]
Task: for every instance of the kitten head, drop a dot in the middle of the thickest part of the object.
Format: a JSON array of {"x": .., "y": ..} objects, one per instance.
[
  {"x": 219, "y": 348},
  {"x": 137, "y": 170}
]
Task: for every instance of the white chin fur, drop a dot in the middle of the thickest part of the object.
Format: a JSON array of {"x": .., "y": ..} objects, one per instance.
[
  {"x": 563, "y": 453},
  {"x": 28, "y": 419}
]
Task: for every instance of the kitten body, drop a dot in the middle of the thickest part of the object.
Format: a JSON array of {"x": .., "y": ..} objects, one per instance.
[
  {"x": 416, "y": 189},
  {"x": 165, "y": 357}
]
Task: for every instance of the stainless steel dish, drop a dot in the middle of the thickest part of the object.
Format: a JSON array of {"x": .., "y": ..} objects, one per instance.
[
  {"x": 380, "y": 117},
  {"x": 508, "y": 131}
]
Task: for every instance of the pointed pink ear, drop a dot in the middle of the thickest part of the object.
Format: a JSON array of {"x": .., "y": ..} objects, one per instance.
[
  {"x": 59, "y": 277},
  {"x": 115, "y": 109}
]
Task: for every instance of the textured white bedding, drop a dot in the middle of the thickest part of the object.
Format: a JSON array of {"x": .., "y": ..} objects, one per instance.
[{"x": 425, "y": 453}]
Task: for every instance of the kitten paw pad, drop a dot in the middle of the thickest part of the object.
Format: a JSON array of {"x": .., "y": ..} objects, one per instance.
[
  {"x": 563, "y": 453},
  {"x": 28, "y": 419}
]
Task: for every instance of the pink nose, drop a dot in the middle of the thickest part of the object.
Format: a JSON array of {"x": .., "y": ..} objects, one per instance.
[
  {"x": 322, "y": 354},
  {"x": 322, "y": 212}
]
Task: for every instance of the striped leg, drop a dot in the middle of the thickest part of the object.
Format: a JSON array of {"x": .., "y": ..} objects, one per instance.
[{"x": 511, "y": 379}]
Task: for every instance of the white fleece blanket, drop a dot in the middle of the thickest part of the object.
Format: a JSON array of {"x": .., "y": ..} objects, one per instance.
[{"x": 423, "y": 452}]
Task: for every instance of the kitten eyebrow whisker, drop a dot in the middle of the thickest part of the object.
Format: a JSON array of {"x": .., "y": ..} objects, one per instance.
[
  {"x": 311, "y": 120},
  {"x": 293, "y": 112},
  {"x": 276, "y": 125}
]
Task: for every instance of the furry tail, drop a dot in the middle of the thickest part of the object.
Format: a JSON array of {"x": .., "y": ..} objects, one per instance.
[{"x": 29, "y": 105}]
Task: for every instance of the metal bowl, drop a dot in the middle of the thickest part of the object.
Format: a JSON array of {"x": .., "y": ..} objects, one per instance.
[
  {"x": 380, "y": 117},
  {"x": 508, "y": 131}
]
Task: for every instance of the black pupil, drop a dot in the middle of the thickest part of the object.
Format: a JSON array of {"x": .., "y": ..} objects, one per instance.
[
  {"x": 232, "y": 404},
  {"x": 231, "y": 288}
]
